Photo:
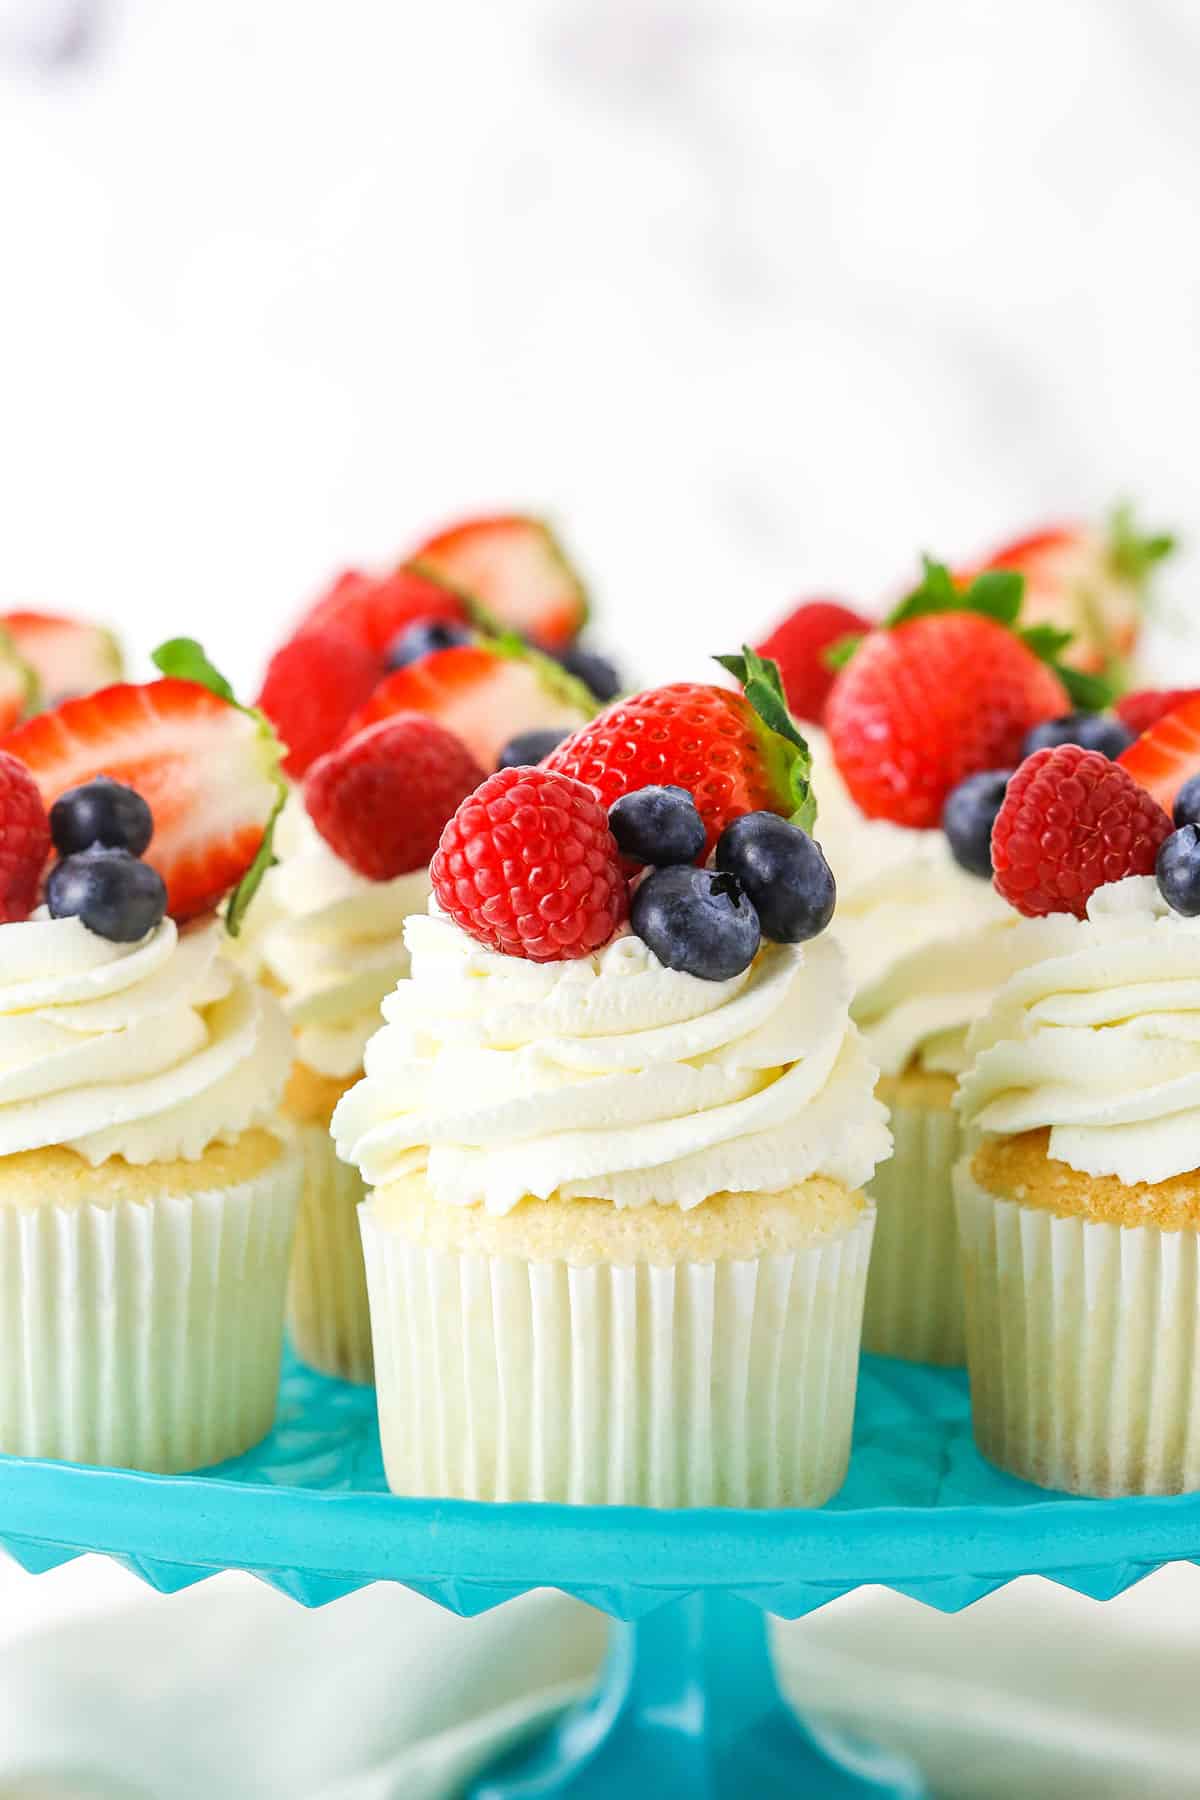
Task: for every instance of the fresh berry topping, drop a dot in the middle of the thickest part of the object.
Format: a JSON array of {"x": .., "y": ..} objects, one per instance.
[
  {"x": 1186, "y": 810},
  {"x": 517, "y": 571},
  {"x": 783, "y": 874},
  {"x": 597, "y": 674},
  {"x": 1091, "y": 731},
  {"x": 1071, "y": 822},
  {"x": 929, "y": 701},
  {"x": 207, "y": 769},
  {"x": 1178, "y": 871},
  {"x": 1145, "y": 708},
  {"x": 698, "y": 921},
  {"x": 1167, "y": 755},
  {"x": 480, "y": 692},
  {"x": 380, "y": 800},
  {"x": 658, "y": 825},
  {"x": 800, "y": 645},
  {"x": 68, "y": 656},
  {"x": 314, "y": 684},
  {"x": 529, "y": 747},
  {"x": 422, "y": 639},
  {"x": 102, "y": 811},
  {"x": 24, "y": 840},
  {"x": 529, "y": 867},
  {"x": 969, "y": 815},
  {"x": 20, "y": 693},
  {"x": 373, "y": 610},
  {"x": 109, "y": 891}
]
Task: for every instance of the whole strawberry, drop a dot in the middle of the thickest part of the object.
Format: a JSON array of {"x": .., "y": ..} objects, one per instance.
[
  {"x": 314, "y": 685},
  {"x": 1071, "y": 822},
  {"x": 380, "y": 800},
  {"x": 24, "y": 839},
  {"x": 529, "y": 867},
  {"x": 374, "y": 609},
  {"x": 800, "y": 644}
]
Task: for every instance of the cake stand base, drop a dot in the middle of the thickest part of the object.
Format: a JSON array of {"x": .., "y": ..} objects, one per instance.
[{"x": 688, "y": 1709}]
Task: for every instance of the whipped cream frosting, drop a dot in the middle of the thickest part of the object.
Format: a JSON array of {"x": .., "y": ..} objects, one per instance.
[
  {"x": 927, "y": 942},
  {"x": 611, "y": 1077},
  {"x": 1098, "y": 1037},
  {"x": 149, "y": 1051},
  {"x": 331, "y": 940}
]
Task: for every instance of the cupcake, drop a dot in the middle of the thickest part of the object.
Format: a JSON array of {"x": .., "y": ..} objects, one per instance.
[
  {"x": 616, "y": 1243},
  {"x": 148, "y": 1188}
]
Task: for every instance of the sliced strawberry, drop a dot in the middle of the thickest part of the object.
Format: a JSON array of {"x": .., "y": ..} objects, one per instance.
[
  {"x": 485, "y": 695},
  {"x": 1147, "y": 706},
  {"x": 374, "y": 609},
  {"x": 517, "y": 571},
  {"x": 1167, "y": 755},
  {"x": 19, "y": 689},
  {"x": 208, "y": 770},
  {"x": 68, "y": 656}
]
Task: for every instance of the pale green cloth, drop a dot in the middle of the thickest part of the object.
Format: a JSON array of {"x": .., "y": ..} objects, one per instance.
[{"x": 230, "y": 1691}]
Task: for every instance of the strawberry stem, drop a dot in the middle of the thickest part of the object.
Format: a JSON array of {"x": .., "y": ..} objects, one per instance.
[{"x": 763, "y": 688}]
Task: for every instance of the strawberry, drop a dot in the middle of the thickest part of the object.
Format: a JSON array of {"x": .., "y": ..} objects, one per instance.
[
  {"x": 515, "y": 569},
  {"x": 68, "y": 656},
  {"x": 374, "y": 609},
  {"x": 734, "y": 753},
  {"x": 313, "y": 686},
  {"x": 24, "y": 839},
  {"x": 19, "y": 689},
  {"x": 1167, "y": 755},
  {"x": 799, "y": 644},
  {"x": 382, "y": 798},
  {"x": 1145, "y": 708},
  {"x": 528, "y": 867},
  {"x": 485, "y": 693},
  {"x": 947, "y": 689},
  {"x": 207, "y": 768},
  {"x": 1071, "y": 822}
]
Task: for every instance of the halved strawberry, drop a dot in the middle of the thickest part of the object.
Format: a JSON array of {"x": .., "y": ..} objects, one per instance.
[
  {"x": 374, "y": 609},
  {"x": 19, "y": 689},
  {"x": 207, "y": 768},
  {"x": 517, "y": 571},
  {"x": 484, "y": 693},
  {"x": 68, "y": 656},
  {"x": 1167, "y": 755}
]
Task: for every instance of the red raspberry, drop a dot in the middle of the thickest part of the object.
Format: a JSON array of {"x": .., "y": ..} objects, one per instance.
[
  {"x": 381, "y": 798},
  {"x": 798, "y": 645},
  {"x": 24, "y": 839},
  {"x": 1072, "y": 821},
  {"x": 1145, "y": 708},
  {"x": 528, "y": 866},
  {"x": 314, "y": 685}
]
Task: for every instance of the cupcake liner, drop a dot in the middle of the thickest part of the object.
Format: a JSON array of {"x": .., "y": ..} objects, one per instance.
[
  {"x": 145, "y": 1334},
  {"x": 914, "y": 1289},
  {"x": 328, "y": 1321},
  {"x": 1083, "y": 1346},
  {"x": 724, "y": 1383}
]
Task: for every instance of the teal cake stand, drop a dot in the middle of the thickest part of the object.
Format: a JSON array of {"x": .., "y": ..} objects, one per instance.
[{"x": 687, "y": 1704}]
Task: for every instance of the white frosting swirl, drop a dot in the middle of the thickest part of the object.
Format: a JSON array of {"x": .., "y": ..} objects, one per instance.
[
  {"x": 1098, "y": 1037},
  {"x": 612, "y": 1077},
  {"x": 331, "y": 939},
  {"x": 148, "y": 1051}
]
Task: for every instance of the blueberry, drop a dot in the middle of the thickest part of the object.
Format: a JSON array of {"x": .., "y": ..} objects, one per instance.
[
  {"x": 529, "y": 747},
  {"x": 595, "y": 671},
  {"x": 783, "y": 873},
  {"x": 1091, "y": 731},
  {"x": 422, "y": 639},
  {"x": 658, "y": 825},
  {"x": 109, "y": 891},
  {"x": 1178, "y": 871},
  {"x": 1187, "y": 802},
  {"x": 968, "y": 816},
  {"x": 102, "y": 811},
  {"x": 698, "y": 921}
]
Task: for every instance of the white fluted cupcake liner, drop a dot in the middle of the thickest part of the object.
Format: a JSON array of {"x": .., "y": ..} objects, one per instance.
[
  {"x": 145, "y": 1333},
  {"x": 914, "y": 1303},
  {"x": 727, "y": 1383},
  {"x": 328, "y": 1319},
  {"x": 1083, "y": 1346}
]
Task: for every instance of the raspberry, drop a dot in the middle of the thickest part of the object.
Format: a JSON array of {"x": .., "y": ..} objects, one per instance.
[
  {"x": 1071, "y": 822},
  {"x": 798, "y": 645},
  {"x": 380, "y": 800},
  {"x": 314, "y": 684},
  {"x": 24, "y": 839},
  {"x": 528, "y": 866},
  {"x": 1145, "y": 708}
]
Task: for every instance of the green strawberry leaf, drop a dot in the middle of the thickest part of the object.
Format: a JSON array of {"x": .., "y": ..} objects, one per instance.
[
  {"x": 184, "y": 659},
  {"x": 1088, "y": 693},
  {"x": 839, "y": 653},
  {"x": 763, "y": 688},
  {"x": 998, "y": 594},
  {"x": 934, "y": 593},
  {"x": 1046, "y": 641},
  {"x": 1133, "y": 553}
]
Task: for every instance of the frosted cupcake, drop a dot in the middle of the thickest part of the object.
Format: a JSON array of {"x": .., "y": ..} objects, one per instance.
[
  {"x": 617, "y": 1240},
  {"x": 147, "y": 1188}
]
